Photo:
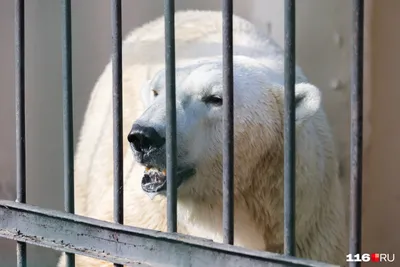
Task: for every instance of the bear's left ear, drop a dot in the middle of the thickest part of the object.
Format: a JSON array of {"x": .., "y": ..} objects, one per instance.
[{"x": 307, "y": 101}]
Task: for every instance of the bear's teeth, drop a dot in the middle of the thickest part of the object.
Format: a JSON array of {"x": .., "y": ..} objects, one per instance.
[{"x": 153, "y": 169}]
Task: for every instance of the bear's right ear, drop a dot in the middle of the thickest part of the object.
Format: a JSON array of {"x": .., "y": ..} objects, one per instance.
[
  {"x": 145, "y": 93},
  {"x": 307, "y": 101}
]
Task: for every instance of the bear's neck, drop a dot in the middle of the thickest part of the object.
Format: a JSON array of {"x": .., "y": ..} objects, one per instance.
[{"x": 254, "y": 208}]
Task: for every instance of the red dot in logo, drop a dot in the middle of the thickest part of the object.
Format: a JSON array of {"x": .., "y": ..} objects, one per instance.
[{"x": 375, "y": 257}]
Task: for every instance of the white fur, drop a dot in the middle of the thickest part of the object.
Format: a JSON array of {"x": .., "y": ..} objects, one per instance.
[{"x": 258, "y": 91}]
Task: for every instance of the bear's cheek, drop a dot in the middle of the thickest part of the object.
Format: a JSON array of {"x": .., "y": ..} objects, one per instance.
[
  {"x": 203, "y": 144},
  {"x": 204, "y": 183}
]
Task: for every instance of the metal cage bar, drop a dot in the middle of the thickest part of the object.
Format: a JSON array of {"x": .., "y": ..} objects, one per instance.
[
  {"x": 356, "y": 131},
  {"x": 128, "y": 245},
  {"x": 171, "y": 147},
  {"x": 228, "y": 138},
  {"x": 116, "y": 28},
  {"x": 68, "y": 116},
  {"x": 117, "y": 110},
  {"x": 20, "y": 115},
  {"x": 289, "y": 128}
]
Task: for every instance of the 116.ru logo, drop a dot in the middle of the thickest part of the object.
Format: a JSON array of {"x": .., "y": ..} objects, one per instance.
[{"x": 370, "y": 257}]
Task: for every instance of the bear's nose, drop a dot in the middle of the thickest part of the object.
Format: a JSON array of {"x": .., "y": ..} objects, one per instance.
[{"x": 143, "y": 138}]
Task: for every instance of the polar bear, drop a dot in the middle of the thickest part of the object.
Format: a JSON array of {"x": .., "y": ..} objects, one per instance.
[{"x": 258, "y": 124}]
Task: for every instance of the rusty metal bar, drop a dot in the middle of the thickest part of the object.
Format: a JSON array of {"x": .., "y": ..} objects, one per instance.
[
  {"x": 171, "y": 148},
  {"x": 116, "y": 28},
  {"x": 228, "y": 138},
  {"x": 68, "y": 116},
  {"x": 127, "y": 245},
  {"x": 289, "y": 129},
  {"x": 20, "y": 115},
  {"x": 356, "y": 130}
]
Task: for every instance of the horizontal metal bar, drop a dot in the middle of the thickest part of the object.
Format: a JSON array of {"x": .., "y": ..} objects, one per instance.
[{"x": 124, "y": 244}]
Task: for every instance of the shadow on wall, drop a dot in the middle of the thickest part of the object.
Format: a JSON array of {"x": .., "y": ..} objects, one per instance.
[{"x": 91, "y": 38}]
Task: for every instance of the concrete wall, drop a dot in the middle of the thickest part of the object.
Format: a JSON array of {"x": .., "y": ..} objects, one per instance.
[
  {"x": 381, "y": 214},
  {"x": 323, "y": 51}
]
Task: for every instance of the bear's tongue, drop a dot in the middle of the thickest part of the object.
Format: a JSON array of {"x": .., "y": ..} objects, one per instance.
[{"x": 154, "y": 181}]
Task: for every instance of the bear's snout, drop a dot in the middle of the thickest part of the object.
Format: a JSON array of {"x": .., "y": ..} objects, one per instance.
[{"x": 143, "y": 138}]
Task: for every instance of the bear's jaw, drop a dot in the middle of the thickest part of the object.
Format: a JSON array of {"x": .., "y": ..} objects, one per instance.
[{"x": 154, "y": 181}]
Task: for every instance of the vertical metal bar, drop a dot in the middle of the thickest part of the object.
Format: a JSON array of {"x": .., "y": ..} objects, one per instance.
[
  {"x": 169, "y": 15},
  {"x": 356, "y": 130},
  {"x": 116, "y": 28},
  {"x": 228, "y": 138},
  {"x": 68, "y": 116},
  {"x": 20, "y": 115},
  {"x": 289, "y": 129}
]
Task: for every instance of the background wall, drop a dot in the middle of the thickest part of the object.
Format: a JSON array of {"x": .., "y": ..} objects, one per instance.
[
  {"x": 381, "y": 215},
  {"x": 323, "y": 51}
]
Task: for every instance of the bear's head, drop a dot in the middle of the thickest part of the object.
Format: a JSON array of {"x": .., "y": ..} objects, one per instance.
[{"x": 258, "y": 126}]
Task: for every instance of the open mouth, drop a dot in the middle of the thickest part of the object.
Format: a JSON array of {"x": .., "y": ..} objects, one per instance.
[{"x": 154, "y": 181}]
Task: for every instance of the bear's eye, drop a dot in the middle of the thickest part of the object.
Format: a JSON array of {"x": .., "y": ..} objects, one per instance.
[
  {"x": 212, "y": 100},
  {"x": 155, "y": 93}
]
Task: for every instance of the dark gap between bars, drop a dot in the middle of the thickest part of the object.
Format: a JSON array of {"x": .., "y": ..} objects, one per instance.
[
  {"x": 116, "y": 25},
  {"x": 289, "y": 128},
  {"x": 20, "y": 115},
  {"x": 67, "y": 116},
  {"x": 356, "y": 131},
  {"x": 228, "y": 139},
  {"x": 171, "y": 148}
]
